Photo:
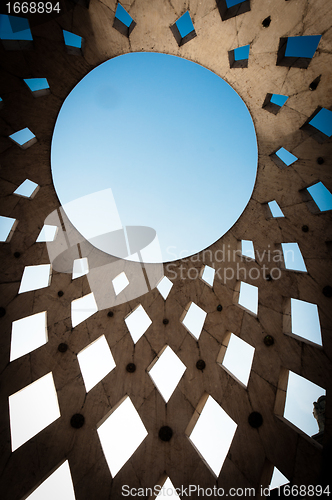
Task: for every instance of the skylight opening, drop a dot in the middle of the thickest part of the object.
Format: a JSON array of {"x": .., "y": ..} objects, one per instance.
[
  {"x": 207, "y": 275},
  {"x": 7, "y": 228},
  {"x": 238, "y": 58},
  {"x": 58, "y": 485},
  {"x": 120, "y": 433},
  {"x": 183, "y": 29},
  {"x": 166, "y": 372},
  {"x": 123, "y": 22},
  {"x": 275, "y": 209},
  {"x": 283, "y": 158},
  {"x": 38, "y": 86},
  {"x": 248, "y": 297},
  {"x": 32, "y": 409},
  {"x": 15, "y": 32},
  {"x": 164, "y": 286},
  {"x": 47, "y": 233},
  {"x": 35, "y": 277},
  {"x": 193, "y": 319},
  {"x": 305, "y": 323},
  {"x": 80, "y": 267},
  {"x": 236, "y": 357},
  {"x": 137, "y": 323},
  {"x": 232, "y": 8},
  {"x": 27, "y": 189},
  {"x": 274, "y": 102},
  {"x": 120, "y": 283},
  {"x": 23, "y": 138},
  {"x": 247, "y": 249},
  {"x": 28, "y": 334},
  {"x": 278, "y": 479},
  {"x": 96, "y": 361},
  {"x": 74, "y": 43},
  {"x": 83, "y": 308},
  {"x": 300, "y": 395},
  {"x": 321, "y": 196},
  {"x": 297, "y": 51},
  {"x": 293, "y": 259},
  {"x": 211, "y": 431},
  {"x": 322, "y": 121}
]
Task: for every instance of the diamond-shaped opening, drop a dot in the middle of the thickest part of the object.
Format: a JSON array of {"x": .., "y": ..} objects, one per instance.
[
  {"x": 164, "y": 286},
  {"x": 232, "y": 8},
  {"x": 247, "y": 249},
  {"x": 15, "y": 33},
  {"x": 297, "y": 51},
  {"x": 293, "y": 260},
  {"x": 7, "y": 228},
  {"x": 166, "y": 489},
  {"x": 137, "y": 323},
  {"x": 123, "y": 22},
  {"x": 298, "y": 406},
  {"x": 32, "y": 409},
  {"x": 301, "y": 320},
  {"x": 74, "y": 43},
  {"x": 193, "y": 319},
  {"x": 38, "y": 86},
  {"x": 120, "y": 433},
  {"x": 274, "y": 102},
  {"x": 238, "y": 58},
  {"x": 275, "y": 210},
  {"x": 28, "y": 334},
  {"x": 321, "y": 196},
  {"x": 283, "y": 158},
  {"x": 23, "y": 138},
  {"x": 28, "y": 189},
  {"x": 47, "y": 233},
  {"x": 236, "y": 357},
  {"x": 278, "y": 479},
  {"x": 319, "y": 124},
  {"x": 166, "y": 372},
  {"x": 207, "y": 275},
  {"x": 58, "y": 485},
  {"x": 248, "y": 297},
  {"x": 35, "y": 277},
  {"x": 120, "y": 283},
  {"x": 83, "y": 308},
  {"x": 96, "y": 361},
  {"x": 211, "y": 432},
  {"x": 80, "y": 267},
  {"x": 183, "y": 29}
]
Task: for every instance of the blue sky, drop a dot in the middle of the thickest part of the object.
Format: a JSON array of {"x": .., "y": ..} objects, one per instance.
[{"x": 171, "y": 139}]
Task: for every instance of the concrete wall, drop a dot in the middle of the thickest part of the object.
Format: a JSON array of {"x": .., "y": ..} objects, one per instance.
[{"x": 252, "y": 452}]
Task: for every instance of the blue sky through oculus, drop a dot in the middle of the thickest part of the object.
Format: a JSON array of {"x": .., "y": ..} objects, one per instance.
[{"x": 173, "y": 141}]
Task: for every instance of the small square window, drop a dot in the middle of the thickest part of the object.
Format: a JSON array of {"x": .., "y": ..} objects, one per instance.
[
  {"x": 35, "y": 277},
  {"x": 183, "y": 29},
  {"x": 166, "y": 372},
  {"x": 123, "y": 22},
  {"x": 319, "y": 125},
  {"x": 274, "y": 102},
  {"x": 48, "y": 233},
  {"x": 321, "y": 196},
  {"x": 28, "y": 334},
  {"x": 38, "y": 86},
  {"x": 232, "y": 8},
  {"x": 27, "y": 189},
  {"x": 275, "y": 210},
  {"x": 238, "y": 58},
  {"x": 293, "y": 259},
  {"x": 15, "y": 33},
  {"x": 83, "y": 308},
  {"x": 80, "y": 268},
  {"x": 120, "y": 283},
  {"x": 236, "y": 357},
  {"x": 207, "y": 275},
  {"x": 248, "y": 297},
  {"x": 74, "y": 43},
  {"x": 7, "y": 228},
  {"x": 96, "y": 361},
  {"x": 193, "y": 319},
  {"x": 164, "y": 286},
  {"x": 297, "y": 51},
  {"x": 23, "y": 138},
  {"x": 137, "y": 323},
  {"x": 283, "y": 158}
]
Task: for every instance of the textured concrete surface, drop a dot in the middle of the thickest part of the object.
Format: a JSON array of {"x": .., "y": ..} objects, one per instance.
[{"x": 253, "y": 451}]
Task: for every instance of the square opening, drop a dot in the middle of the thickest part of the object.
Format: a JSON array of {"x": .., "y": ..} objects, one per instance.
[
  {"x": 35, "y": 277},
  {"x": 236, "y": 357},
  {"x": 238, "y": 58},
  {"x": 301, "y": 321},
  {"x": 164, "y": 286},
  {"x": 38, "y": 86},
  {"x": 193, "y": 319},
  {"x": 211, "y": 431},
  {"x": 248, "y": 297},
  {"x": 32, "y": 409},
  {"x": 59, "y": 484},
  {"x": 321, "y": 196},
  {"x": 96, "y": 361},
  {"x": 23, "y": 138},
  {"x": 137, "y": 323},
  {"x": 293, "y": 260},
  {"x": 80, "y": 268},
  {"x": 207, "y": 275},
  {"x": 7, "y": 228},
  {"x": 120, "y": 433},
  {"x": 274, "y": 210},
  {"x": 247, "y": 249},
  {"x": 183, "y": 29},
  {"x": 27, "y": 189},
  {"x": 297, "y": 51},
  {"x": 274, "y": 102},
  {"x": 74, "y": 43},
  {"x": 28, "y": 334},
  {"x": 82, "y": 309},
  {"x": 231, "y": 8},
  {"x": 283, "y": 158},
  {"x": 120, "y": 283},
  {"x": 166, "y": 372},
  {"x": 319, "y": 125},
  {"x": 48, "y": 233},
  {"x": 123, "y": 22},
  {"x": 15, "y": 33}
]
